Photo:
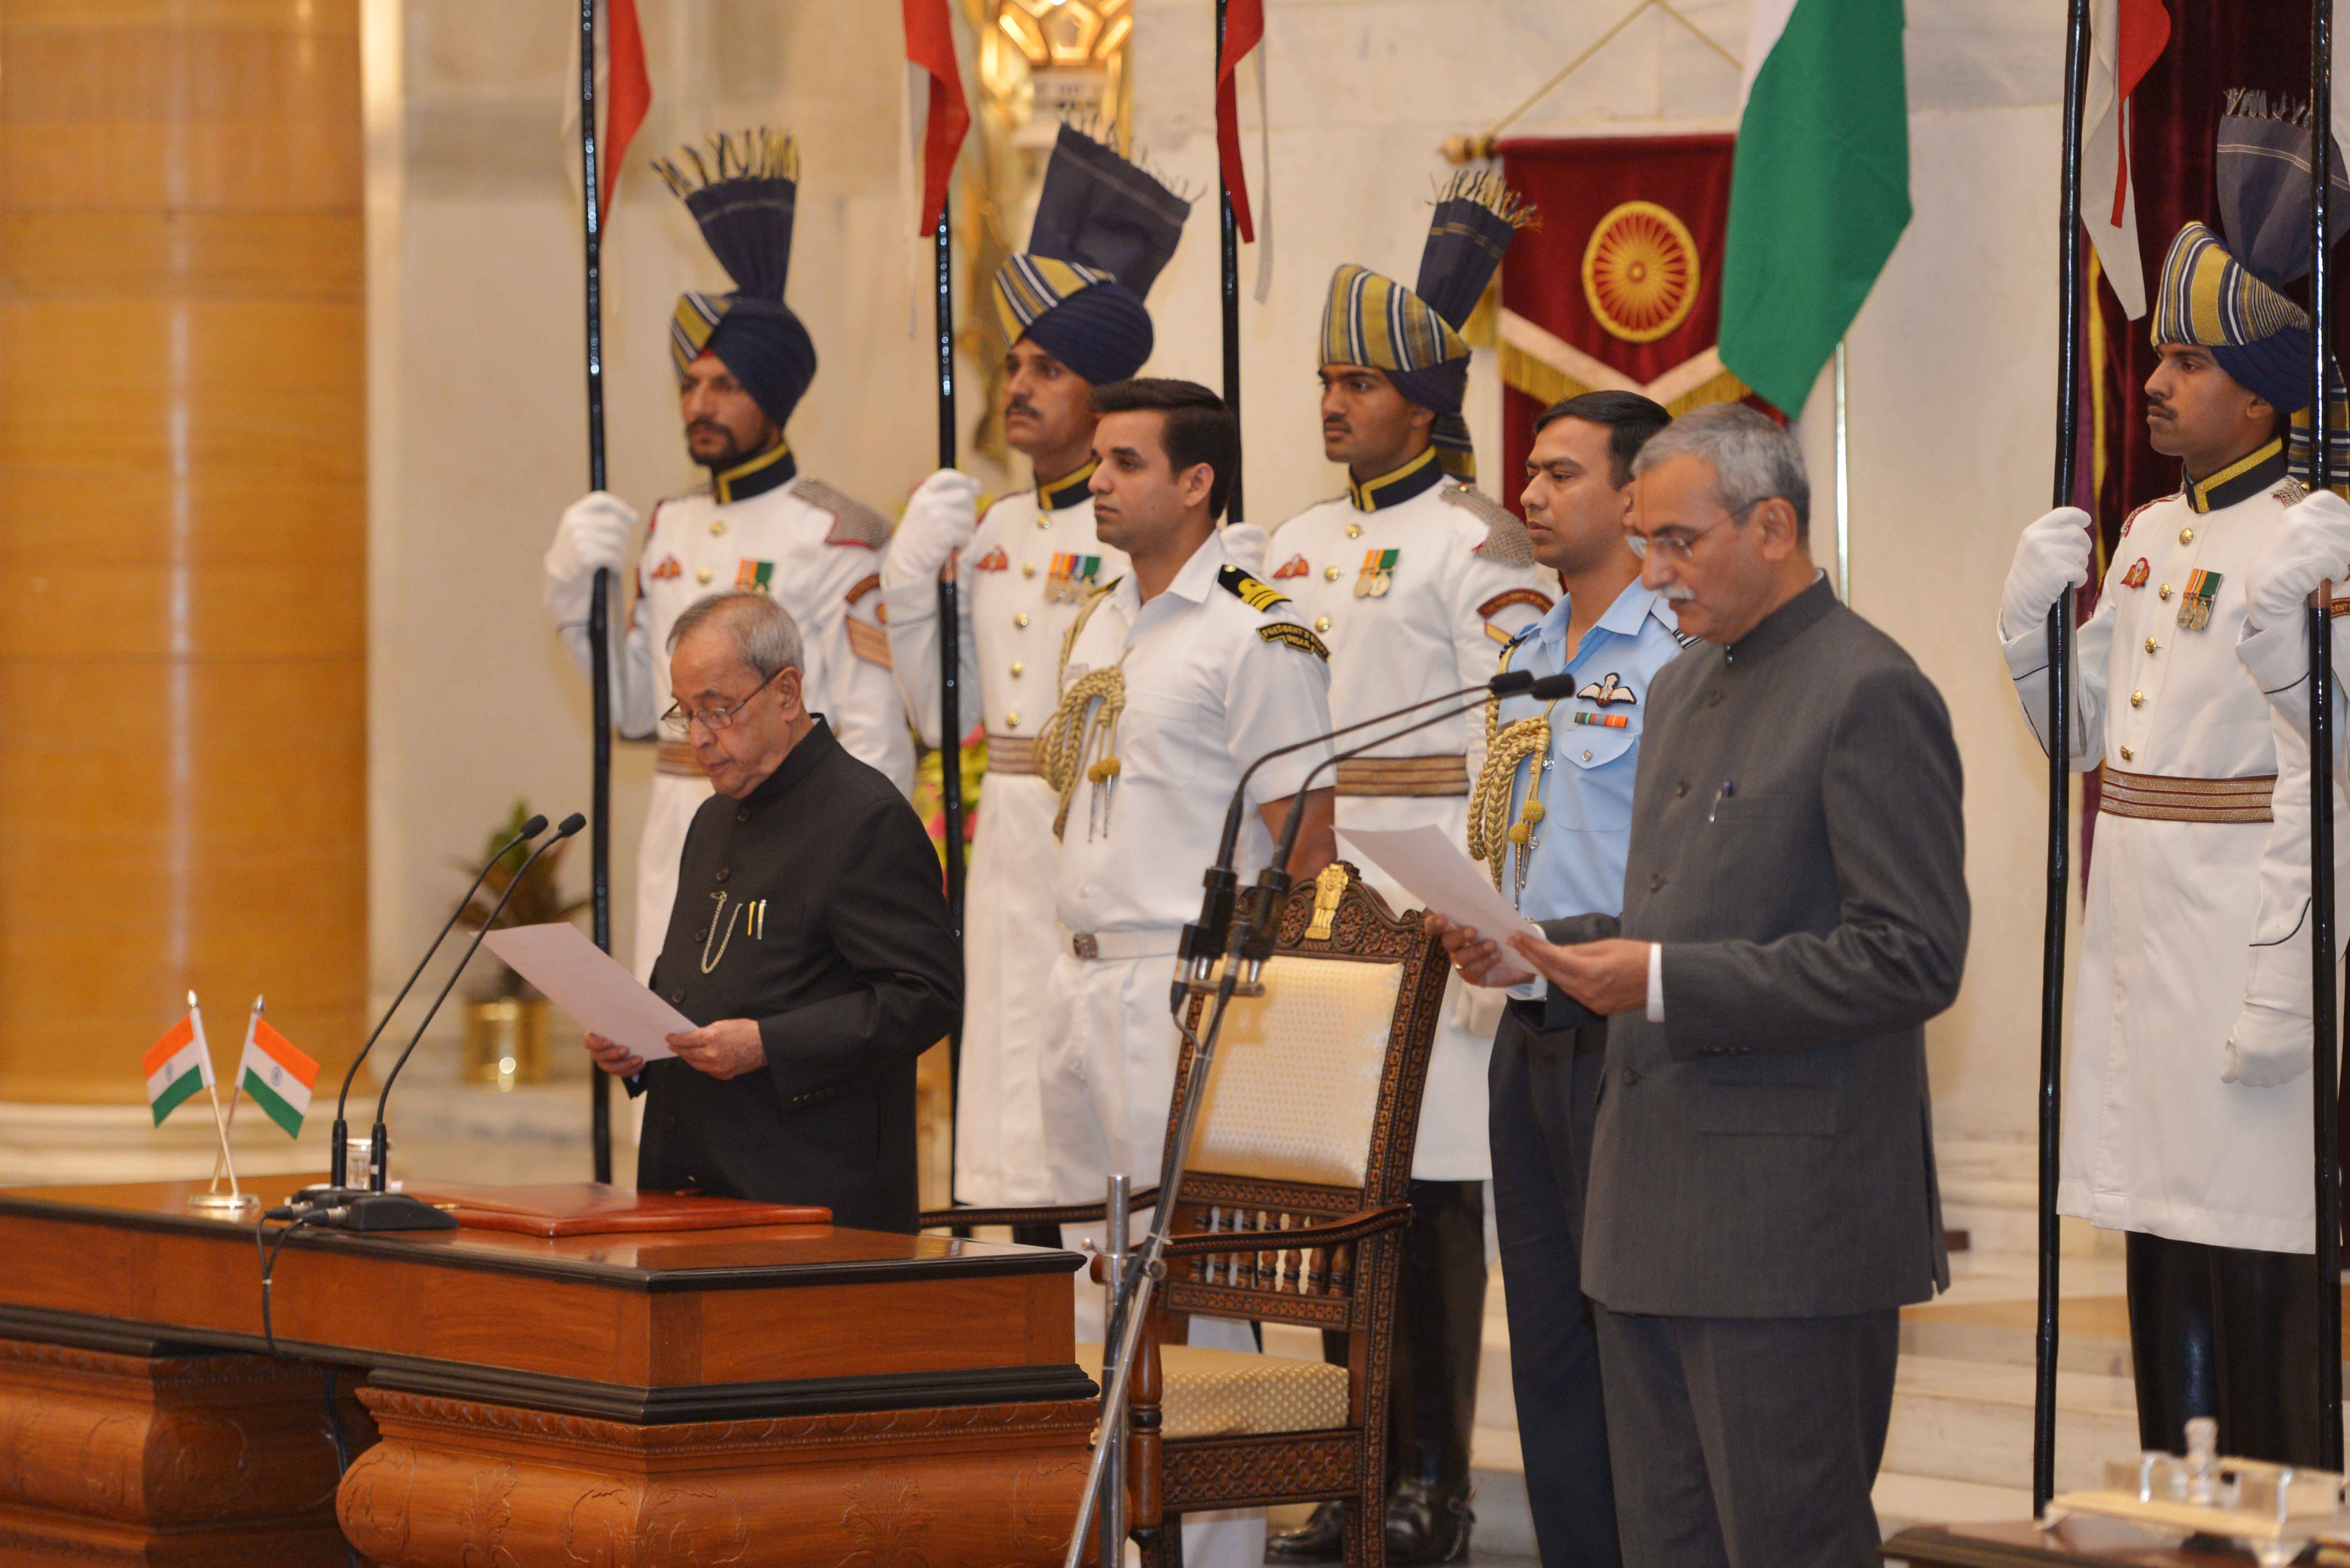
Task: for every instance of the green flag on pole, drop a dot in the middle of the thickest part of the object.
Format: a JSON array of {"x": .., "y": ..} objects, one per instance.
[{"x": 1820, "y": 188}]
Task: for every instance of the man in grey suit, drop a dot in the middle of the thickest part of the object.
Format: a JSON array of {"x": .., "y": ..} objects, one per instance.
[{"x": 1763, "y": 1197}]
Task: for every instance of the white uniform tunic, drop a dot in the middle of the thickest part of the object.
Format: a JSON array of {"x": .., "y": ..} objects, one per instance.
[
  {"x": 1416, "y": 583},
  {"x": 1206, "y": 695},
  {"x": 1034, "y": 559},
  {"x": 2153, "y": 1140},
  {"x": 818, "y": 553}
]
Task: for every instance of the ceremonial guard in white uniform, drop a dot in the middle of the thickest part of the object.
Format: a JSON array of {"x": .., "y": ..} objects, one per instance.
[
  {"x": 2187, "y": 1107},
  {"x": 1415, "y": 579},
  {"x": 1165, "y": 701},
  {"x": 1072, "y": 308},
  {"x": 742, "y": 361}
]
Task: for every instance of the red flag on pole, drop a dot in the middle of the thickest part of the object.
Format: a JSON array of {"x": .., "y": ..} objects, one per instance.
[
  {"x": 2142, "y": 31},
  {"x": 626, "y": 95},
  {"x": 929, "y": 44},
  {"x": 1243, "y": 31}
]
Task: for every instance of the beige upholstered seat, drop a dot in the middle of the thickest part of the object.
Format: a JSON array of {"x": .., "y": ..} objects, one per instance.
[
  {"x": 1233, "y": 1394},
  {"x": 1295, "y": 1084}
]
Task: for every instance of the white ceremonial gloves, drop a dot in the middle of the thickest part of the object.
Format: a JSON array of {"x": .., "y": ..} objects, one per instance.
[
  {"x": 1244, "y": 546},
  {"x": 2051, "y": 556},
  {"x": 2268, "y": 1047},
  {"x": 2310, "y": 545},
  {"x": 592, "y": 538},
  {"x": 941, "y": 517}
]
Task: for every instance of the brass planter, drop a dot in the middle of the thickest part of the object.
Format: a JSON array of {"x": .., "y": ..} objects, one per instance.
[{"x": 505, "y": 1041}]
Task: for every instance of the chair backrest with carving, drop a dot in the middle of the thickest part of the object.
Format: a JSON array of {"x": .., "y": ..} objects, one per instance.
[{"x": 1313, "y": 1102}]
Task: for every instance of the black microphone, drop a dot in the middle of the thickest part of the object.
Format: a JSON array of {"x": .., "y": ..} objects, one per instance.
[
  {"x": 569, "y": 825},
  {"x": 1204, "y": 940},
  {"x": 339, "y": 1156},
  {"x": 1251, "y": 942}
]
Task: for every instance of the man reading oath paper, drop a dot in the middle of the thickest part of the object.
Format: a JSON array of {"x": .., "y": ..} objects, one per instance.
[
  {"x": 1761, "y": 1198},
  {"x": 809, "y": 940}
]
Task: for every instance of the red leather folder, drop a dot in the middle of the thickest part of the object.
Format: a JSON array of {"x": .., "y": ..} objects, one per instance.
[{"x": 593, "y": 1208}]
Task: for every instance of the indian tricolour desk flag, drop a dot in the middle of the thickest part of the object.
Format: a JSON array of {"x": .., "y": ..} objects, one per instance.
[
  {"x": 177, "y": 1066},
  {"x": 277, "y": 1076}
]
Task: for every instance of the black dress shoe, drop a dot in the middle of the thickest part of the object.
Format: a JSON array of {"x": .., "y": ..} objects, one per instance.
[
  {"x": 1321, "y": 1539},
  {"x": 1426, "y": 1525}
]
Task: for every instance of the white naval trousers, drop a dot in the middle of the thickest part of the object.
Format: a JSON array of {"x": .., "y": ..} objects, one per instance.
[
  {"x": 1012, "y": 937},
  {"x": 1109, "y": 1077}
]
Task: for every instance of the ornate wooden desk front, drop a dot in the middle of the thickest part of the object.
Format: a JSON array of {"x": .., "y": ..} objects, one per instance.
[{"x": 792, "y": 1394}]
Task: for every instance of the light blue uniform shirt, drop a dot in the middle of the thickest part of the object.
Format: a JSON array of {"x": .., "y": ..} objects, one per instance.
[{"x": 1575, "y": 861}]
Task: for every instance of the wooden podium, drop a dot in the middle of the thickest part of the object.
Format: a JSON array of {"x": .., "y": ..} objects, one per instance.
[{"x": 778, "y": 1395}]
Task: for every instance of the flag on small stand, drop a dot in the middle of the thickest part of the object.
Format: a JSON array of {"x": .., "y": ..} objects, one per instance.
[
  {"x": 177, "y": 1066},
  {"x": 279, "y": 1076}
]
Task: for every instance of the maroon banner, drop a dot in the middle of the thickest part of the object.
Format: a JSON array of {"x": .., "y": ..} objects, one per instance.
[{"x": 1620, "y": 285}]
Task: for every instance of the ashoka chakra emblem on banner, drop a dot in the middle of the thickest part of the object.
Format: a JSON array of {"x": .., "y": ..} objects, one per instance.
[{"x": 1640, "y": 272}]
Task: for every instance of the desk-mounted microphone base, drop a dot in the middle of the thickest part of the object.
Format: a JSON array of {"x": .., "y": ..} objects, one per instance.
[{"x": 355, "y": 1208}]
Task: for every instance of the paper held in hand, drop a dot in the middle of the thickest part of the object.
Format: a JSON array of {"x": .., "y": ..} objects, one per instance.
[
  {"x": 1433, "y": 870},
  {"x": 589, "y": 984}
]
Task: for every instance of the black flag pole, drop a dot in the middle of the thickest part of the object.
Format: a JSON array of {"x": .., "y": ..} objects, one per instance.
[
  {"x": 599, "y": 627},
  {"x": 2325, "y": 1063},
  {"x": 1228, "y": 254},
  {"x": 950, "y": 620},
  {"x": 2060, "y": 764}
]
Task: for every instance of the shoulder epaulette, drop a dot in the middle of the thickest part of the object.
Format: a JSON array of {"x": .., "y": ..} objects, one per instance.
[
  {"x": 1248, "y": 590},
  {"x": 2293, "y": 493},
  {"x": 1291, "y": 635},
  {"x": 2135, "y": 510},
  {"x": 853, "y": 522},
  {"x": 1506, "y": 541}
]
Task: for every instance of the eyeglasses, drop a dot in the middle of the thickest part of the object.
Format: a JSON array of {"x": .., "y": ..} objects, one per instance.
[
  {"x": 1676, "y": 546},
  {"x": 714, "y": 720}
]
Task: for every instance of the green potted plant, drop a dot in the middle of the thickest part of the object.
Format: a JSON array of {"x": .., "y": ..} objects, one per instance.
[{"x": 506, "y": 1020}]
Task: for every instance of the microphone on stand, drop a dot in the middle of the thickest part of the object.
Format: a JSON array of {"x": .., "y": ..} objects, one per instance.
[
  {"x": 1252, "y": 943},
  {"x": 1204, "y": 940},
  {"x": 382, "y": 1211},
  {"x": 338, "y": 1155}
]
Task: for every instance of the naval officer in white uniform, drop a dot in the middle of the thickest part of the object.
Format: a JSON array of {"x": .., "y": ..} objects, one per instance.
[
  {"x": 1416, "y": 580},
  {"x": 742, "y": 361},
  {"x": 1072, "y": 306},
  {"x": 2187, "y": 1107},
  {"x": 1174, "y": 678}
]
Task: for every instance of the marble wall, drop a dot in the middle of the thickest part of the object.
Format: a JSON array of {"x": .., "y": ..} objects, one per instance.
[{"x": 478, "y": 427}]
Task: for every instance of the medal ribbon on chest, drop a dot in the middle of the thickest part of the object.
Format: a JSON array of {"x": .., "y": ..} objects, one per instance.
[
  {"x": 1377, "y": 574},
  {"x": 753, "y": 575},
  {"x": 2195, "y": 609},
  {"x": 1071, "y": 579}
]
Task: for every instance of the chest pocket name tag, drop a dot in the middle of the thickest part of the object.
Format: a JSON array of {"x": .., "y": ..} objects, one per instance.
[{"x": 751, "y": 915}]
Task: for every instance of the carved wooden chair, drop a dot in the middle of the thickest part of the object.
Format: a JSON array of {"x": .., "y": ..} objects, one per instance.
[{"x": 1289, "y": 1210}]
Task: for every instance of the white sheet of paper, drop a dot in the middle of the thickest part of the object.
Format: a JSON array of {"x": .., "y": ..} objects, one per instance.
[
  {"x": 593, "y": 987},
  {"x": 1433, "y": 869}
]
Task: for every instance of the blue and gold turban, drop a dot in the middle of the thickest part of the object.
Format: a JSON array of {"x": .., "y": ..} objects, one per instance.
[
  {"x": 1414, "y": 334},
  {"x": 2225, "y": 294},
  {"x": 1104, "y": 231},
  {"x": 742, "y": 192},
  {"x": 2211, "y": 299}
]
